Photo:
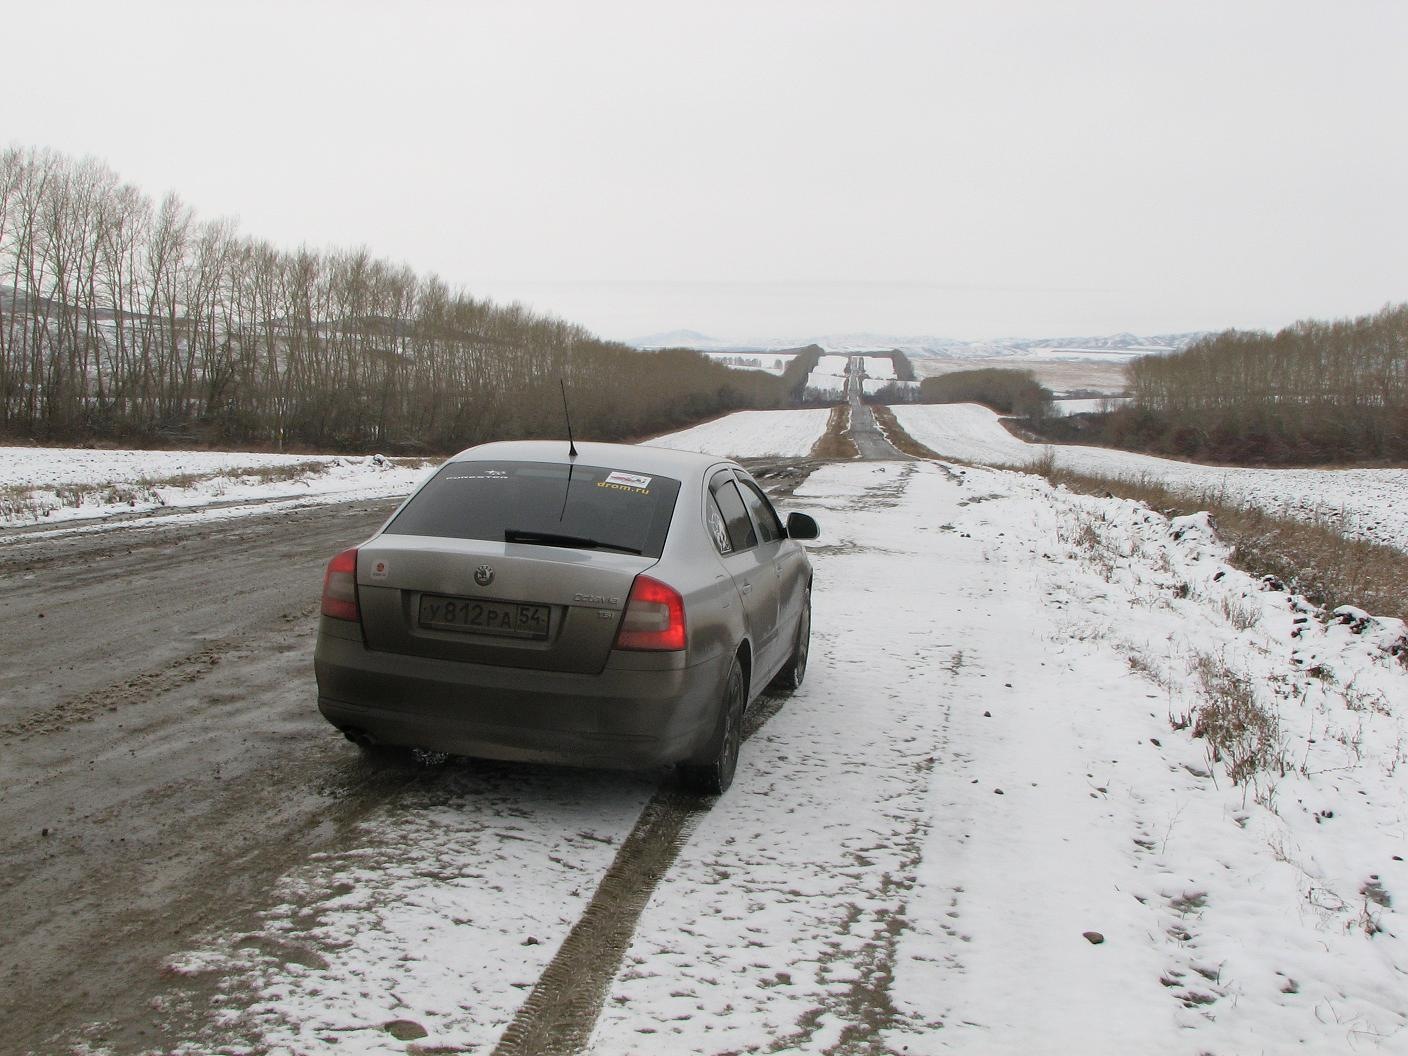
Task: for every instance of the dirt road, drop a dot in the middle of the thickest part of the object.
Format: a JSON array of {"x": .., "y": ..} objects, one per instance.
[
  {"x": 870, "y": 441},
  {"x": 160, "y": 756}
]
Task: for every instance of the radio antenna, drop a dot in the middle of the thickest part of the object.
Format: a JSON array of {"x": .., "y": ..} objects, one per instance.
[{"x": 571, "y": 447}]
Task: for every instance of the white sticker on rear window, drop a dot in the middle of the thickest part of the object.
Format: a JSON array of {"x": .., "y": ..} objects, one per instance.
[{"x": 630, "y": 480}]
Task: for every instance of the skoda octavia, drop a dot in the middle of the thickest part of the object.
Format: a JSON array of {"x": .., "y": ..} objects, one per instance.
[{"x": 597, "y": 605}]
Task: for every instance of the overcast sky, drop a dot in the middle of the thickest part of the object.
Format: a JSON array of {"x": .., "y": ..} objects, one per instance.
[{"x": 773, "y": 169}]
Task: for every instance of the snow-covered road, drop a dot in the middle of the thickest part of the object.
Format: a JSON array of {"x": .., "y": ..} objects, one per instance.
[
  {"x": 982, "y": 767},
  {"x": 1370, "y": 504},
  {"x": 989, "y": 759}
]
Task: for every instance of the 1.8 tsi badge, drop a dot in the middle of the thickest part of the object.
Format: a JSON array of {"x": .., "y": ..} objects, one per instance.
[{"x": 483, "y": 575}]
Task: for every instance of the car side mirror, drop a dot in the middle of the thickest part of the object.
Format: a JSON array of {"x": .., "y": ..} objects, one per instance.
[{"x": 800, "y": 526}]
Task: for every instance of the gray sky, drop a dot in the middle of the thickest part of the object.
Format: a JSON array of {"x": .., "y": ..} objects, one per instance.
[{"x": 773, "y": 168}]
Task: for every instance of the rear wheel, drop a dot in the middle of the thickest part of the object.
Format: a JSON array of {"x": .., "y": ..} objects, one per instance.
[
  {"x": 792, "y": 673},
  {"x": 714, "y": 777}
]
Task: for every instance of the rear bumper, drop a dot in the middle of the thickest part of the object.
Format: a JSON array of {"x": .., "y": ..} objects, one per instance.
[{"x": 620, "y": 718}]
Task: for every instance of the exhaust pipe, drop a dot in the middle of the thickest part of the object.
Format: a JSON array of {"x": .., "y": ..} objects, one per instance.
[{"x": 361, "y": 738}]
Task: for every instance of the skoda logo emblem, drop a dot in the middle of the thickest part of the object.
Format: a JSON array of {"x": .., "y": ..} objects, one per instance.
[{"x": 483, "y": 575}]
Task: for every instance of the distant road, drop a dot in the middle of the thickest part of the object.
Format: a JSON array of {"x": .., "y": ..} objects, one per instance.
[{"x": 870, "y": 441}]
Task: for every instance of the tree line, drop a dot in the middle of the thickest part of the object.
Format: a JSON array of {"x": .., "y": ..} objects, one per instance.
[
  {"x": 1312, "y": 392},
  {"x": 1005, "y": 391},
  {"x": 126, "y": 317}
]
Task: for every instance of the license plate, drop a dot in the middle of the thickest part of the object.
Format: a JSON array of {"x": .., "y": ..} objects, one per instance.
[{"x": 509, "y": 619}]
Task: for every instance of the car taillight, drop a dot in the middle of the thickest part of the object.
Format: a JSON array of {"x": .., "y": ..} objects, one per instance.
[
  {"x": 654, "y": 617},
  {"x": 340, "y": 587}
]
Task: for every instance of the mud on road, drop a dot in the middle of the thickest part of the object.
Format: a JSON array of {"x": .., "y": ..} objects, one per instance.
[{"x": 161, "y": 757}]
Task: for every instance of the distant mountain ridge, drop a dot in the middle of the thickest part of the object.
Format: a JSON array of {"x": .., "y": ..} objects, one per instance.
[{"x": 1122, "y": 344}]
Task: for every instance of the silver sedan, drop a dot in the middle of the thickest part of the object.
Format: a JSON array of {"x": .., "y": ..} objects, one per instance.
[{"x": 611, "y": 605}]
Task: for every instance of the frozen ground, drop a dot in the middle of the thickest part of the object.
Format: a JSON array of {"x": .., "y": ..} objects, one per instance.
[
  {"x": 993, "y": 755},
  {"x": 752, "y": 433},
  {"x": 1368, "y": 503},
  {"x": 48, "y": 485}
]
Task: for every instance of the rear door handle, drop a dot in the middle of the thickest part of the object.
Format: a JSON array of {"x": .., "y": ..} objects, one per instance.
[{"x": 746, "y": 587}]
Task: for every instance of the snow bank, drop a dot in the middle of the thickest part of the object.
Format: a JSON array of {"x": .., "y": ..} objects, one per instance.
[
  {"x": 1368, "y": 504},
  {"x": 743, "y": 434}
]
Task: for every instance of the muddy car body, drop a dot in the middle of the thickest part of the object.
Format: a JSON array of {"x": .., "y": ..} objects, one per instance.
[{"x": 617, "y": 608}]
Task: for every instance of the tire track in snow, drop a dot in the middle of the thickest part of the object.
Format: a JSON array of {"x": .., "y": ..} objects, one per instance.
[{"x": 558, "y": 1016}]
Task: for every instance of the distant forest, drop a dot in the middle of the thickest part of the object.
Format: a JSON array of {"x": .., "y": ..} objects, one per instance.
[
  {"x": 1313, "y": 392},
  {"x": 126, "y": 318},
  {"x": 1004, "y": 390}
]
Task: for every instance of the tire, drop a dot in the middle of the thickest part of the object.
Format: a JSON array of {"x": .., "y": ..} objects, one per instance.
[
  {"x": 714, "y": 777},
  {"x": 792, "y": 673}
]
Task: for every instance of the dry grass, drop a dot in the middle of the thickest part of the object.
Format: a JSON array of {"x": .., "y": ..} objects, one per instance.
[
  {"x": 1241, "y": 733},
  {"x": 18, "y": 501},
  {"x": 1241, "y": 614},
  {"x": 1311, "y": 559},
  {"x": 836, "y": 442}
]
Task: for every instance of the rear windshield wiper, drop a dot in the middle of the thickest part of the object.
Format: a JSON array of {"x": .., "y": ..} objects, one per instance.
[{"x": 523, "y": 535}]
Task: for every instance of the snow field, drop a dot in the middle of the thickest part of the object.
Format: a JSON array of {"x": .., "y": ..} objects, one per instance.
[
  {"x": 882, "y": 367},
  {"x": 45, "y": 485},
  {"x": 1086, "y": 406},
  {"x": 829, "y": 376},
  {"x": 756, "y": 434},
  {"x": 983, "y": 766},
  {"x": 767, "y": 362},
  {"x": 1369, "y": 504}
]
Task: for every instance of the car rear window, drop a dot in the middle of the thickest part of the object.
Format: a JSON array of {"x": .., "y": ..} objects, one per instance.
[{"x": 614, "y": 506}]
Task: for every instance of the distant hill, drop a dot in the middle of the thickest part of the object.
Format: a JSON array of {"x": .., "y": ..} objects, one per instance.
[
  {"x": 1116, "y": 346},
  {"x": 702, "y": 342}
]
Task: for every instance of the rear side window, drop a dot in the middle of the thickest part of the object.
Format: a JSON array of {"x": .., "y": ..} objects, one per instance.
[
  {"x": 740, "y": 529},
  {"x": 769, "y": 527},
  {"x": 718, "y": 530},
  {"x": 614, "y": 507}
]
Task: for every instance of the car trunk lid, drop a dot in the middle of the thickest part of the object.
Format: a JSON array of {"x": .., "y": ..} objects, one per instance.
[{"x": 550, "y": 608}]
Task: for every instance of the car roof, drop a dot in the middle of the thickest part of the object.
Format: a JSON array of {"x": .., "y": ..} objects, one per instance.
[{"x": 642, "y": 458}]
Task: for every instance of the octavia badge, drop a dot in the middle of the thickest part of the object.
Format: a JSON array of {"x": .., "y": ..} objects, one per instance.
[{"x": 483, "y": 575}]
